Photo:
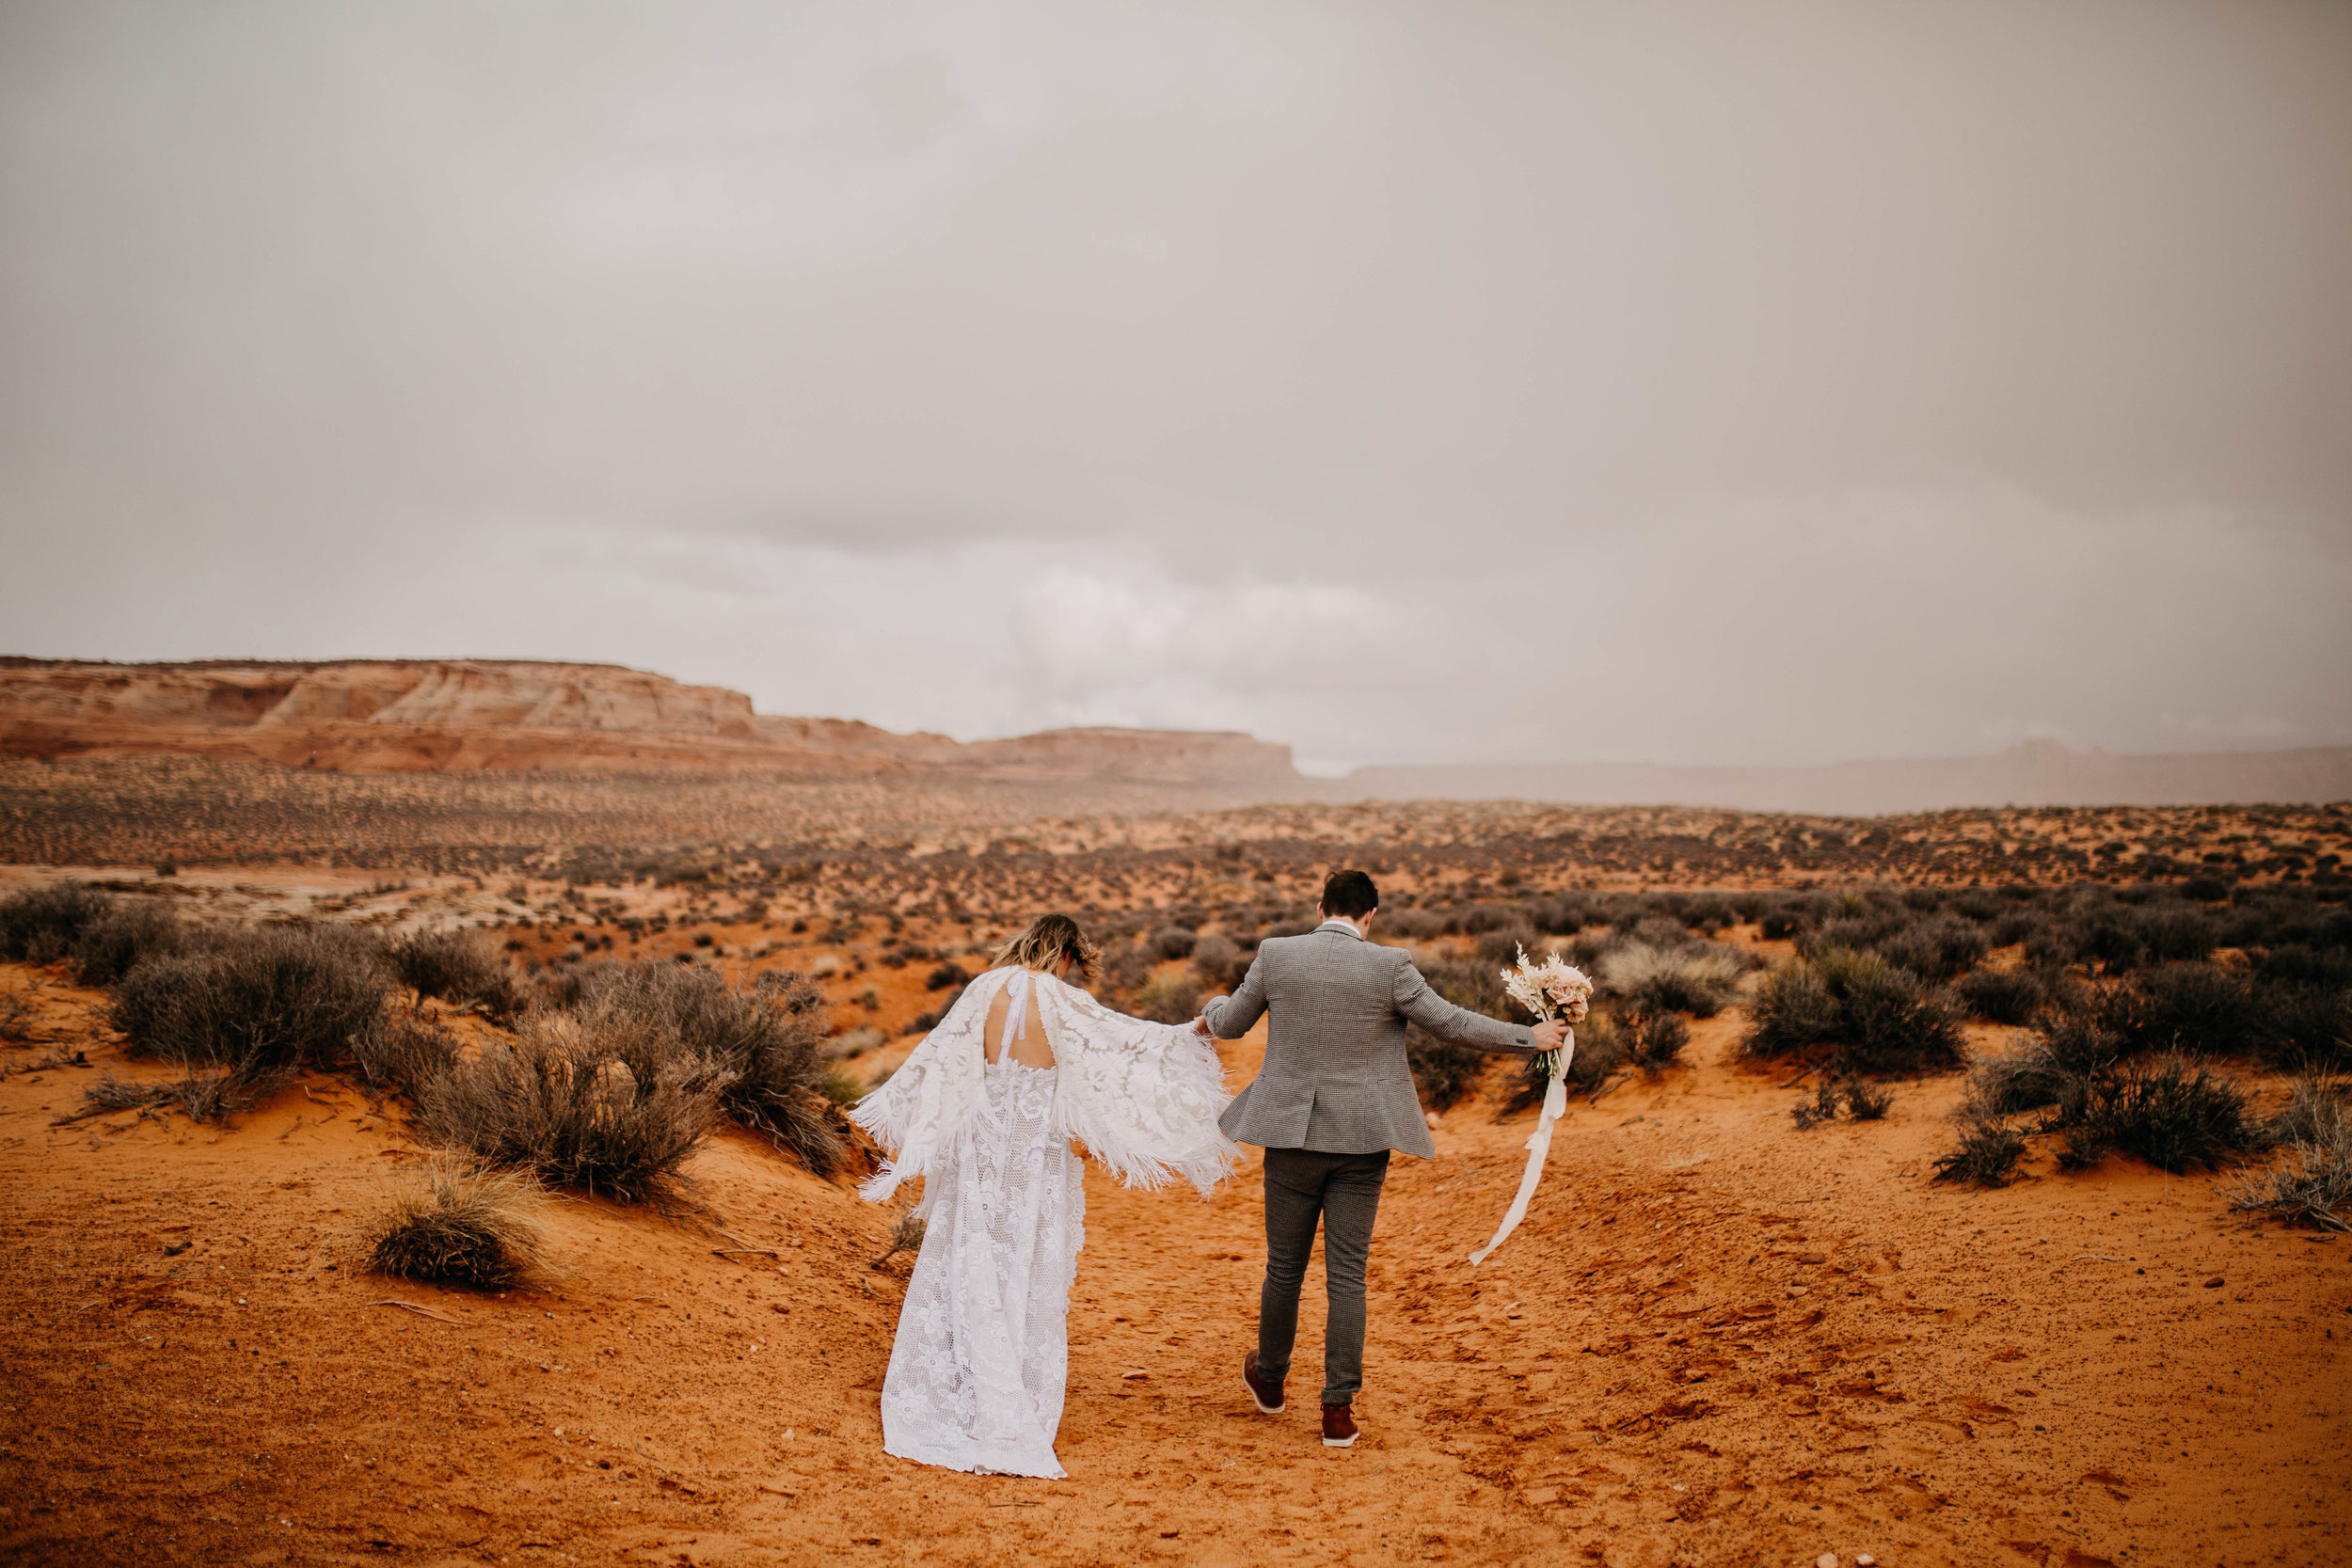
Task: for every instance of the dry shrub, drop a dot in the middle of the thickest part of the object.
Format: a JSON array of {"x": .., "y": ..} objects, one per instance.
[
  {"x": 1873, "y": 1016},
  {"x": 1987, "y": 1155},
  {"x": 1174, "y": 942},
  {"x": 2001, "y": 995},
  {"x": 1169, "y": 998},
  {"x": 1938, "y": 949},
  {"x": 906, "y": 1235},
  {"x": 2159, "y": 1112},
  {"x": 204, "y": 1095},
  {"x": 766, "y": 1041},
  {"x": 456, "y": 966},
  {"x": 1654, "y": 1039},
  {"x": 16, "y": 1017},
  {"x": 1601, "y": 1051},
  {"x": 1219, "y": 962},
  {"x": 1442, "y": 1073},
  {"x": 1809, "y": 1114},
  {"x": 1866, "y": 1102},
  {"x": 40, "y": 925},
  {"x": 255, "y": 1008},
  {"x": 1697, "y": 980},
  {"x": 401, "y": 1051},
  {"x": 604, "y": 1104},
  {"x": 120, "y": 938},
  {"x": 2312, "y": 1184},
  {"x": 2025, "y": 1080},
  {"x": 852, "y": 1043},
  {"x": 478, "y": 1230}
]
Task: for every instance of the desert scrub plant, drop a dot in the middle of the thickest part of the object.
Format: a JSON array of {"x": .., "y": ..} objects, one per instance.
[
  {"x": 398, "y": 1050},
  {"x": 1873, "y": 1016},
  {"x": 121, "y": 937},
  {"x": 1169, "y": 998},
  {"x": 2312, "y": 1183},
  {"x": 456, "y": 966},
  {"x": 2157, "y": 1111},
  {"x": 2001, "y": 995},
  {"x": 1809, "y": 1114},
  {"x": 254, "y": 1008},
  {"x": 852, "y": 1043},
  {"x": 767, "y": 1040},
  {"x": 906, "y": 1235},
  {"x": 1697, "y": 980},
  {"x": 1987, "y": 1155},
  {"x": 1443, "y": 1073},
  {"x": 2026, "y": 1078},
  {"x": 1600, "y": 1052},
  {"x": 2197, "y": 1009},
  {"x": 40, "y": 925},
  {"x": 1219, "y": 962},
  {"x": 1867, "y": 1101},
  {"x": 1173, "y": 942},
  {"x": 1863, "y": 1100},
  {"x": 1654, "y": 1038},
  {"x": 1938, "y": 949},
  {"x": 452, "y": 1225},
  {"x": 606, "y": 1105},
  {"x": 2313, "y": 1113}
]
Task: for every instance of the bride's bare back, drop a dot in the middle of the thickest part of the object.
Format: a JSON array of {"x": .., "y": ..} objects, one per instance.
[{"x": 1029, "y": 1047}]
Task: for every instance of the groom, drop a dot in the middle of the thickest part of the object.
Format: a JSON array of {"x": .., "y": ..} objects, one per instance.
[{"x": 1333, "y": 1097}]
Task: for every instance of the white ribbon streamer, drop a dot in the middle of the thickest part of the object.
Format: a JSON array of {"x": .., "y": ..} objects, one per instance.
[{"x": 1538, "y": 1145}]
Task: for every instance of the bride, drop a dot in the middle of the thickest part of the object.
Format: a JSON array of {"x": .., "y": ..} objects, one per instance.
[{"x": 984, "y": 1112}]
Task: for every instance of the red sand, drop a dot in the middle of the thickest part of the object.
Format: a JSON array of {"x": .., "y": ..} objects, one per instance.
[{"x": 1716, "y": 1340}]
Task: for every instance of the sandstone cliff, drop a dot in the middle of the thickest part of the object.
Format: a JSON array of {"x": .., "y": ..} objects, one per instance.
[{"x": 512, "y": 714}]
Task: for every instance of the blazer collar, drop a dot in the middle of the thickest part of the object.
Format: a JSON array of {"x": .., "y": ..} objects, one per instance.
[{"x": 1343, "y": 927}]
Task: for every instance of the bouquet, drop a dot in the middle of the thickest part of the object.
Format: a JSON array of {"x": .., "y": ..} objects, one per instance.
[{"x": 1554, "y": 990}]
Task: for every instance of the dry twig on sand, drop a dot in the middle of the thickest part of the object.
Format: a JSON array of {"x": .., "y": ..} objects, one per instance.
[{"x": 420, "y": 1311}]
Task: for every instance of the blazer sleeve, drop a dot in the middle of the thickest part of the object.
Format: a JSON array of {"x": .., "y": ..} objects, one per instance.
[
  {"x": 1230, "y": 1017},
  {"x": 1457, "y": 1025}
]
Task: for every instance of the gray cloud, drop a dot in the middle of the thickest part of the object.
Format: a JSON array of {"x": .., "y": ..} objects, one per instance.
[{"x": 1705, "y": 383}]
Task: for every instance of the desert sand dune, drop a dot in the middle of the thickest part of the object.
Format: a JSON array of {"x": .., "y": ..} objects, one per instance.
[{"x": 1713, "y": 1340}]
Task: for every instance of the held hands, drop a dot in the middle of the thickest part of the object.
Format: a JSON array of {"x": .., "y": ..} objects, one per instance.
[{"x": 1550, "y": 1035}]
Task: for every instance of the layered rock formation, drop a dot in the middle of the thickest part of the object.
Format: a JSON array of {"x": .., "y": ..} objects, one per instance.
[{"x": 411, "y": 715}]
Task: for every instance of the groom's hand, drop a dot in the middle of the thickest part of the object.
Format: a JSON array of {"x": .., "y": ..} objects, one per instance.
[
  {"x": 1200, "y": 1027},
  {"x": 1550, "y": 1035}
]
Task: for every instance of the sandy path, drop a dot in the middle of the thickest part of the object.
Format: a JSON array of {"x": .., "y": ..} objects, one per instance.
[{"x": 1716, "y": 1340}]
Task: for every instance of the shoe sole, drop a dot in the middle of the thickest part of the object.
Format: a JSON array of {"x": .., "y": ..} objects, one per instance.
[{"x": 1340, "y": 1442}]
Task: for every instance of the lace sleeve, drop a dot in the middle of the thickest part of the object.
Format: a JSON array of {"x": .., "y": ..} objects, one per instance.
[
  {"x": 917, "y": 1110},
  {"x": 1142, "y": 1097}
]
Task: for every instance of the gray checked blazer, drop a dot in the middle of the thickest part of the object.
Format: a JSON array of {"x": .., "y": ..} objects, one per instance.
[{"x": 1334, "y": 1078}]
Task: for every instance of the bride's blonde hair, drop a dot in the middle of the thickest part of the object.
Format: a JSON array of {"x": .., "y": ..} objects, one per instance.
[{"x": 1049, "y": 940}]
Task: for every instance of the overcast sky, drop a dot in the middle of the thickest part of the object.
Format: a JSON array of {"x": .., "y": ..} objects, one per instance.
[{"x": 1411, "y": 382}]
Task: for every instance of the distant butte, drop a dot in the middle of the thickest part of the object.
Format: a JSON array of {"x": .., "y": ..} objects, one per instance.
[
  {"x": 404, "y": 716},
  {"x": 522, "y": 716}
]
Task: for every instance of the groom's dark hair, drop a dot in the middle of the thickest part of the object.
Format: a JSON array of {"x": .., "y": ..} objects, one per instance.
[{"x": 1351, "y": 893}]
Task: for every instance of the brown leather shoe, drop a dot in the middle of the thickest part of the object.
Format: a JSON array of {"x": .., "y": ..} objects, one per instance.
[
  {"x": 1338, "y": 1425},
  {"x": 1265, "y": 1390}
]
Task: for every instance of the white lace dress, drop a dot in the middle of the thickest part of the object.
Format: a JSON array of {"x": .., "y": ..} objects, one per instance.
[{"x": 982, "y": 1360}]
